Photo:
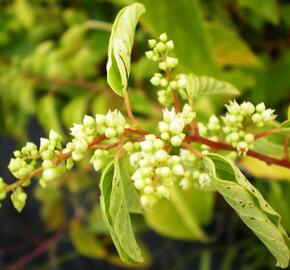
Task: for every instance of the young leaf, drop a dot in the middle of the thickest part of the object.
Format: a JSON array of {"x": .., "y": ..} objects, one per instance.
[
  {"x": 250, "y": 205},
  {"x": 120, "y": 46},
  {"x": 204, "y": 86},
  {"x": 116, "y": 215}
]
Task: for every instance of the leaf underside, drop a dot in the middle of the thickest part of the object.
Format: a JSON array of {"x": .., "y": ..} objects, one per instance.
[
  {"x": 120, "y": 47},
  {"x": 250, "y": 205}
]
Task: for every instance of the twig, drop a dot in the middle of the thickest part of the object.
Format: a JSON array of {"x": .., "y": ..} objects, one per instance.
[
  {"x": 42, "y": 248},
  {"x": 267, "y": 133},
  {"x": 252, "y": 153},
  {"x": 191, "y": 149},
  {"x": 129, "y": 110}
]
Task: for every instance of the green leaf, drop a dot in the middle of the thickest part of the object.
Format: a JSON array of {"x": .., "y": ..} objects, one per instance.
[
  {"x": 116, "y": 215},
  {"x": 229, "y": 49},
  {"x": 74, "y": 111},
  {"x": 47, "y": 114},
  {"x": 250, "y": 205},
  {"x": 84, "y": 242},
  {"x": 266, "y": 9},
  {"x": 182, "y": 20},
  {"x": 204, "y": 86},
  {"x": 181, "y": 217},
  {"x": 120, "y": 46}
]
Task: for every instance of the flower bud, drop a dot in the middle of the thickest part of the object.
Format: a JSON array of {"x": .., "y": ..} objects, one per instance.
[
  {"x": 110, "y": 133},
  {"x": 152, "y": 43}
]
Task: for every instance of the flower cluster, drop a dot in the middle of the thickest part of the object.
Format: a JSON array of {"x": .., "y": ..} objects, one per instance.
[
  {"x": 173, "y": 124},
  {"x": 159, "y": 53},
  {"x": 156, "y": 170},
  {"x": 111, "y": 126},
  {"x": 193, "y": 171},
  {"x": 239, "y": 118},
  {"x": 100, "y": 159}
]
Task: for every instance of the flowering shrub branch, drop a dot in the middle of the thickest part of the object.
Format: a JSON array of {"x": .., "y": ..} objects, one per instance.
[{"x": 160, "y": 160}]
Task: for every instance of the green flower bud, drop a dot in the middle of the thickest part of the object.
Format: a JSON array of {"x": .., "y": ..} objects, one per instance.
[
  {"x": 249, "y": 138},
  {"x": 165, "y": 172},
  {"x": 149, "y": 54},
  {"x": 260, "y": 107},
  {"x": 100, "y": 119},
  {"x": 163, "y": 37},
  {"x": 88, "y": 120},
  {"x": 164, "y": 136},
  {"x": 160, "y": 47},
  {"x": 110, "y": 133},
  {"x": 18, "y": 198},
  {"x": 176, "y": 140},
  {"x": 178, "y": 170},
  {"x": 161, "y": 155},
  {"x": 146, "y": 146},
  {"x": 162, "y": 191},
  {"x": 80, "y": 145},
  {"x": 169, "y": 45},
  {"x": 158, "y": 144},
  {"x": 152, "y": 43},
  {"x": 139, "y": 184},
  {"x": 163, "y": 82}
]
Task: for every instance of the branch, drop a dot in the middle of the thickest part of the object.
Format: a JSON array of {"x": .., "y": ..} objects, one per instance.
[
  {"x": 223, "y": 146},
  {"x": 42, "y": 248}
]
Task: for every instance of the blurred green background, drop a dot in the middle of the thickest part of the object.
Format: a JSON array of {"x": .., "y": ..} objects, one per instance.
[{"x": 52, "y": 71}]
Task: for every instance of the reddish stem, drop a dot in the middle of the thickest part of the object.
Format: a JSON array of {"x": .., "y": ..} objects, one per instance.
[
  {"x": 42, "y": 248},
  {"x": 266, "y": 133},
  {"x": 129, "y": 110},
  {"x": 176, "y": 101},
  {"x": 252, "y": 153}
]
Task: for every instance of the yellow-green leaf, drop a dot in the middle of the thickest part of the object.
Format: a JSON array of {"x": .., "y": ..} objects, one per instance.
[
  {"x": 250, "y": 205},
  {"x": 120, "y": 46}
]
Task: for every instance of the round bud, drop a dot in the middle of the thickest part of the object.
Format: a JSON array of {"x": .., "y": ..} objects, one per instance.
[
  {"x": 178, "y": 170},
  {"x": 182, "y": 82},
  {"x": 148, "y": 190},
  {"x": 110, "y": 132},
  {"x": 100, "y": 119},
  {"x": 163, "y": 37},
  {"x": 160, "y": 47},
  {"x": 54, "y": 136},
  {"x": 158, "y": 144},
  {"x": 80, "y": 145},
  {"x": 169, "y": 45},
  {"x": 185, "y": 183},
  {"x": 260, "y": 107},
  {"x": 161, "y": 155},
  {"x": 163, "y": 82},
  {"x": 128, "y": 147},
  {"x": 173, "y": 84},
  {"x": 76, "y": 156},
  {"x": 149, "y": 54},
  {"x": 164, "y": 136},
  {"x": 164, "y": 172},
  {"x": 48, "y": 174},
  {"x": 176, "y": 126},
  {"x": 152, "y": 43},
  {"x": 139, "y": 184},
  {"x": 163, "y": 66},
  {"x": 146, "y": 146},
  {"x": 144, "y": 200},
  {"x": 249, "y": 138},
  {"x": 163, "y": 127},
  {"x": 256, "y": 118},
  {"x": 88, "y": 120},
  {"x": 176, "y": 140},
  {"x": 155, "y": 80},
  {"x": 247, "y": 108},
  {"x": 162, "y": 191}
]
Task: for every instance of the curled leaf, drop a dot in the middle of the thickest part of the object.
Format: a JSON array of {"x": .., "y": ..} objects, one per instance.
[
  {"x": 116, "y": 214},
  {"x": 250, "y": 205},
  {"x": 120, "y": 46}
]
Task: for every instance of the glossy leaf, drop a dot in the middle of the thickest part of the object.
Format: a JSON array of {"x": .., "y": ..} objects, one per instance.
[
  {"x": 120, "y": 46},
  {"x": 250, "y": 205},
  {"x": 205, "y": 86},
  {"x": 116, "y": 215},
  {"x": 183, "y": 215}
]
